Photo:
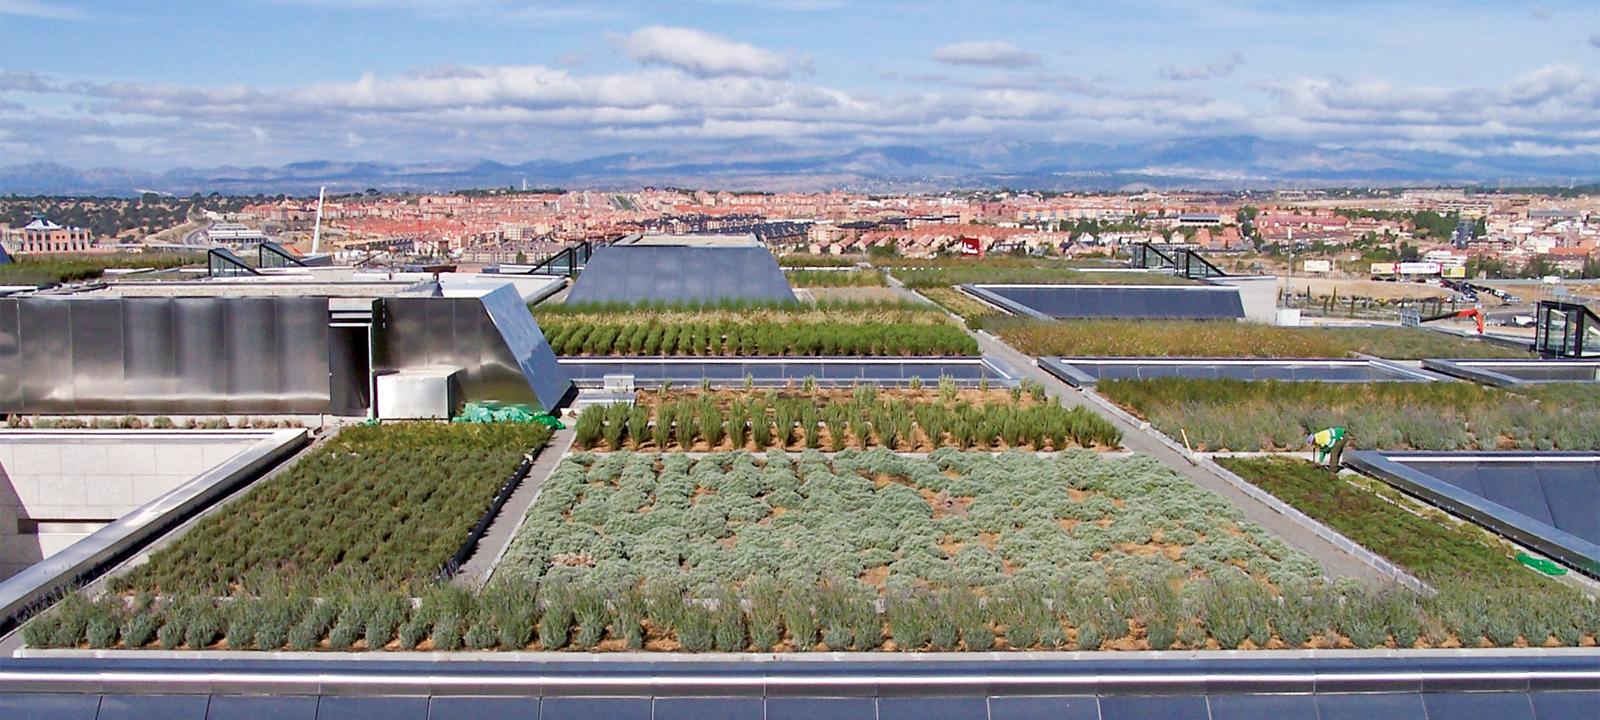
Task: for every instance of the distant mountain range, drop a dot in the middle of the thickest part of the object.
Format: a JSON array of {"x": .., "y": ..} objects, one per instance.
[{"x": 1226, "y": 163}]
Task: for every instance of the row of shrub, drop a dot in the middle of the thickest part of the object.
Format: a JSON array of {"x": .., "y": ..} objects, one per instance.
[
  {"x": 834, "y": 278},
  {"x": 836, "y": 615},
  {"x": 393, "y": 501},
  {"x": 800, "y": 260},
  {"x": 1237, "y": 415},
  {"x": 724, "y": 338},
  {"x": 883, "y": 310},
  {"x": 771, "y": 421},
  {"x": 30, "y": 270},
  {"x": 1181, "y": 338},
  {"x": 975, "y": 313}
]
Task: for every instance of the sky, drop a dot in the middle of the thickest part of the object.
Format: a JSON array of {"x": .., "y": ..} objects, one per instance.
[{"x": 158, "y": 84}]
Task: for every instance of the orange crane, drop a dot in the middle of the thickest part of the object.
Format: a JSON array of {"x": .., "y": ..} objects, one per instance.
[{"x": 1474, "y": 313}]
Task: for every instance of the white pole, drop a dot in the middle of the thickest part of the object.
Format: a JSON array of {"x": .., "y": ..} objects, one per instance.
[{"x": 316, "y": 228}]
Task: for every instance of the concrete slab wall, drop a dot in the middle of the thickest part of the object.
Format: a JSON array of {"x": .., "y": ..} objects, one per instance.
[
  {"x": 58, "y": 487},
  {"x": 1258, "y": 293}
]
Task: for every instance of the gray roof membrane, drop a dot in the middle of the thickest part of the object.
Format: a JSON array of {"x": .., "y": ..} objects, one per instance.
[
  {"x": 1081, "y": 371},
  {"x": 680, "y": 274},
  {"x": 1549, "y": 502},
  {"x": 1564, "y": 494},
  {"x": 1517, "y": 372},
  {"x": 1133, "y": 302}
]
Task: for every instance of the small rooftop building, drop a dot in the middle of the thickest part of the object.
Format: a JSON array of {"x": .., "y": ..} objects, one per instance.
[{"x": 682, "y": 269}]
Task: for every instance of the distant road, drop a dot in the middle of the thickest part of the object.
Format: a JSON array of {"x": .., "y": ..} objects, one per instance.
[{"x": 197, "y": 235}]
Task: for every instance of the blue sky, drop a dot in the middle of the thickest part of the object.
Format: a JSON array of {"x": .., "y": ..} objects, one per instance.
[{"x": 154, "y": 85}]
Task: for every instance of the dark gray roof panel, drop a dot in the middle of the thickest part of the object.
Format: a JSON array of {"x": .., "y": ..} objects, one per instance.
[
  {"x": 1565, "y": 495},
  {"x": 1480, "y": 706},
  {"x": 675, "y": 274},
  {"x": 594, "y": 708},
  {"x": 708, "y": 708},
  {"x": 1371, "y": 707},
  {"x": 1075, "y": 707},
  {"x": 262, "y": 707},
  {"x": 48, "y": 706},
  {"x": 483, "y": 708},
  {"x": 340, "y": 707},
  {"x": 146, "y": 707},
  {"x": 1263, "y": 707},
  {"x": 1079, "y": 371},
  {"x": 806, "y": 708},
  {"x": 1564, "y": 704},
  {"x": 1166, "y": 707},
  {"x": 933, "y": 708},
  {"x": 1133, "y": 302}
]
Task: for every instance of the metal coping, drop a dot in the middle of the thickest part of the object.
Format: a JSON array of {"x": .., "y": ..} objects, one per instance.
[
  {"x": 1134, "y": 302},
  {"x": 24, "y": 592},
  {"x": 1408, "y": 472},
  {"x": 818, "y": 675},
  {"x": 1505, "y": 373},
  {"x": 767, "y": 372},
  {"x": 1086, "y": 371}
]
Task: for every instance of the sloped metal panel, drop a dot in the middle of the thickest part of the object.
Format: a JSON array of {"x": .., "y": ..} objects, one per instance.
[
  {"x": 502, "y": 353},
  {"x": 674, "y": 274},
  {"x": 526, "y": 342},
  {"x": 1141, "y": 302}
]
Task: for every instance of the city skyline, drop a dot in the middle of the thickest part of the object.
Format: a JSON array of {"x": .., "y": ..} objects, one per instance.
[{"x": 271, "y": 82}]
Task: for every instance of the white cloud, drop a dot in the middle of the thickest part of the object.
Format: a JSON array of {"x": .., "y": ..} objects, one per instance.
[
  {"x": 715, "y": 106},
  {"x": 702, "y": 53},
  {"x": 1206, "y": 71},
  {"x": 39, "y": 9},
  {"x": 521, "y": 12},
  {"x": 985, "y": 53}
]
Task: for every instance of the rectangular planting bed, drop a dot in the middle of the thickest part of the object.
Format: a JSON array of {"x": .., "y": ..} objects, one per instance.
[
  {"x": 891, "y": 521},
  {"x": 1085, "y": 371}
]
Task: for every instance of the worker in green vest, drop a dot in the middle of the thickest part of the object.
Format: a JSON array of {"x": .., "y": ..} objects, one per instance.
[{"x": 1329, "y": 444}]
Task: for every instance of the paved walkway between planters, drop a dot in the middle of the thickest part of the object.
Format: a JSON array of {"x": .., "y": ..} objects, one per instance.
[
  {"x": 495, "y": 541},
  {"x": 1335, "y": 562}
]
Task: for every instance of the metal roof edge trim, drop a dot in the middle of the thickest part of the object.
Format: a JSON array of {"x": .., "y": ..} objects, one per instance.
[{"x": 827, "y": 674}]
